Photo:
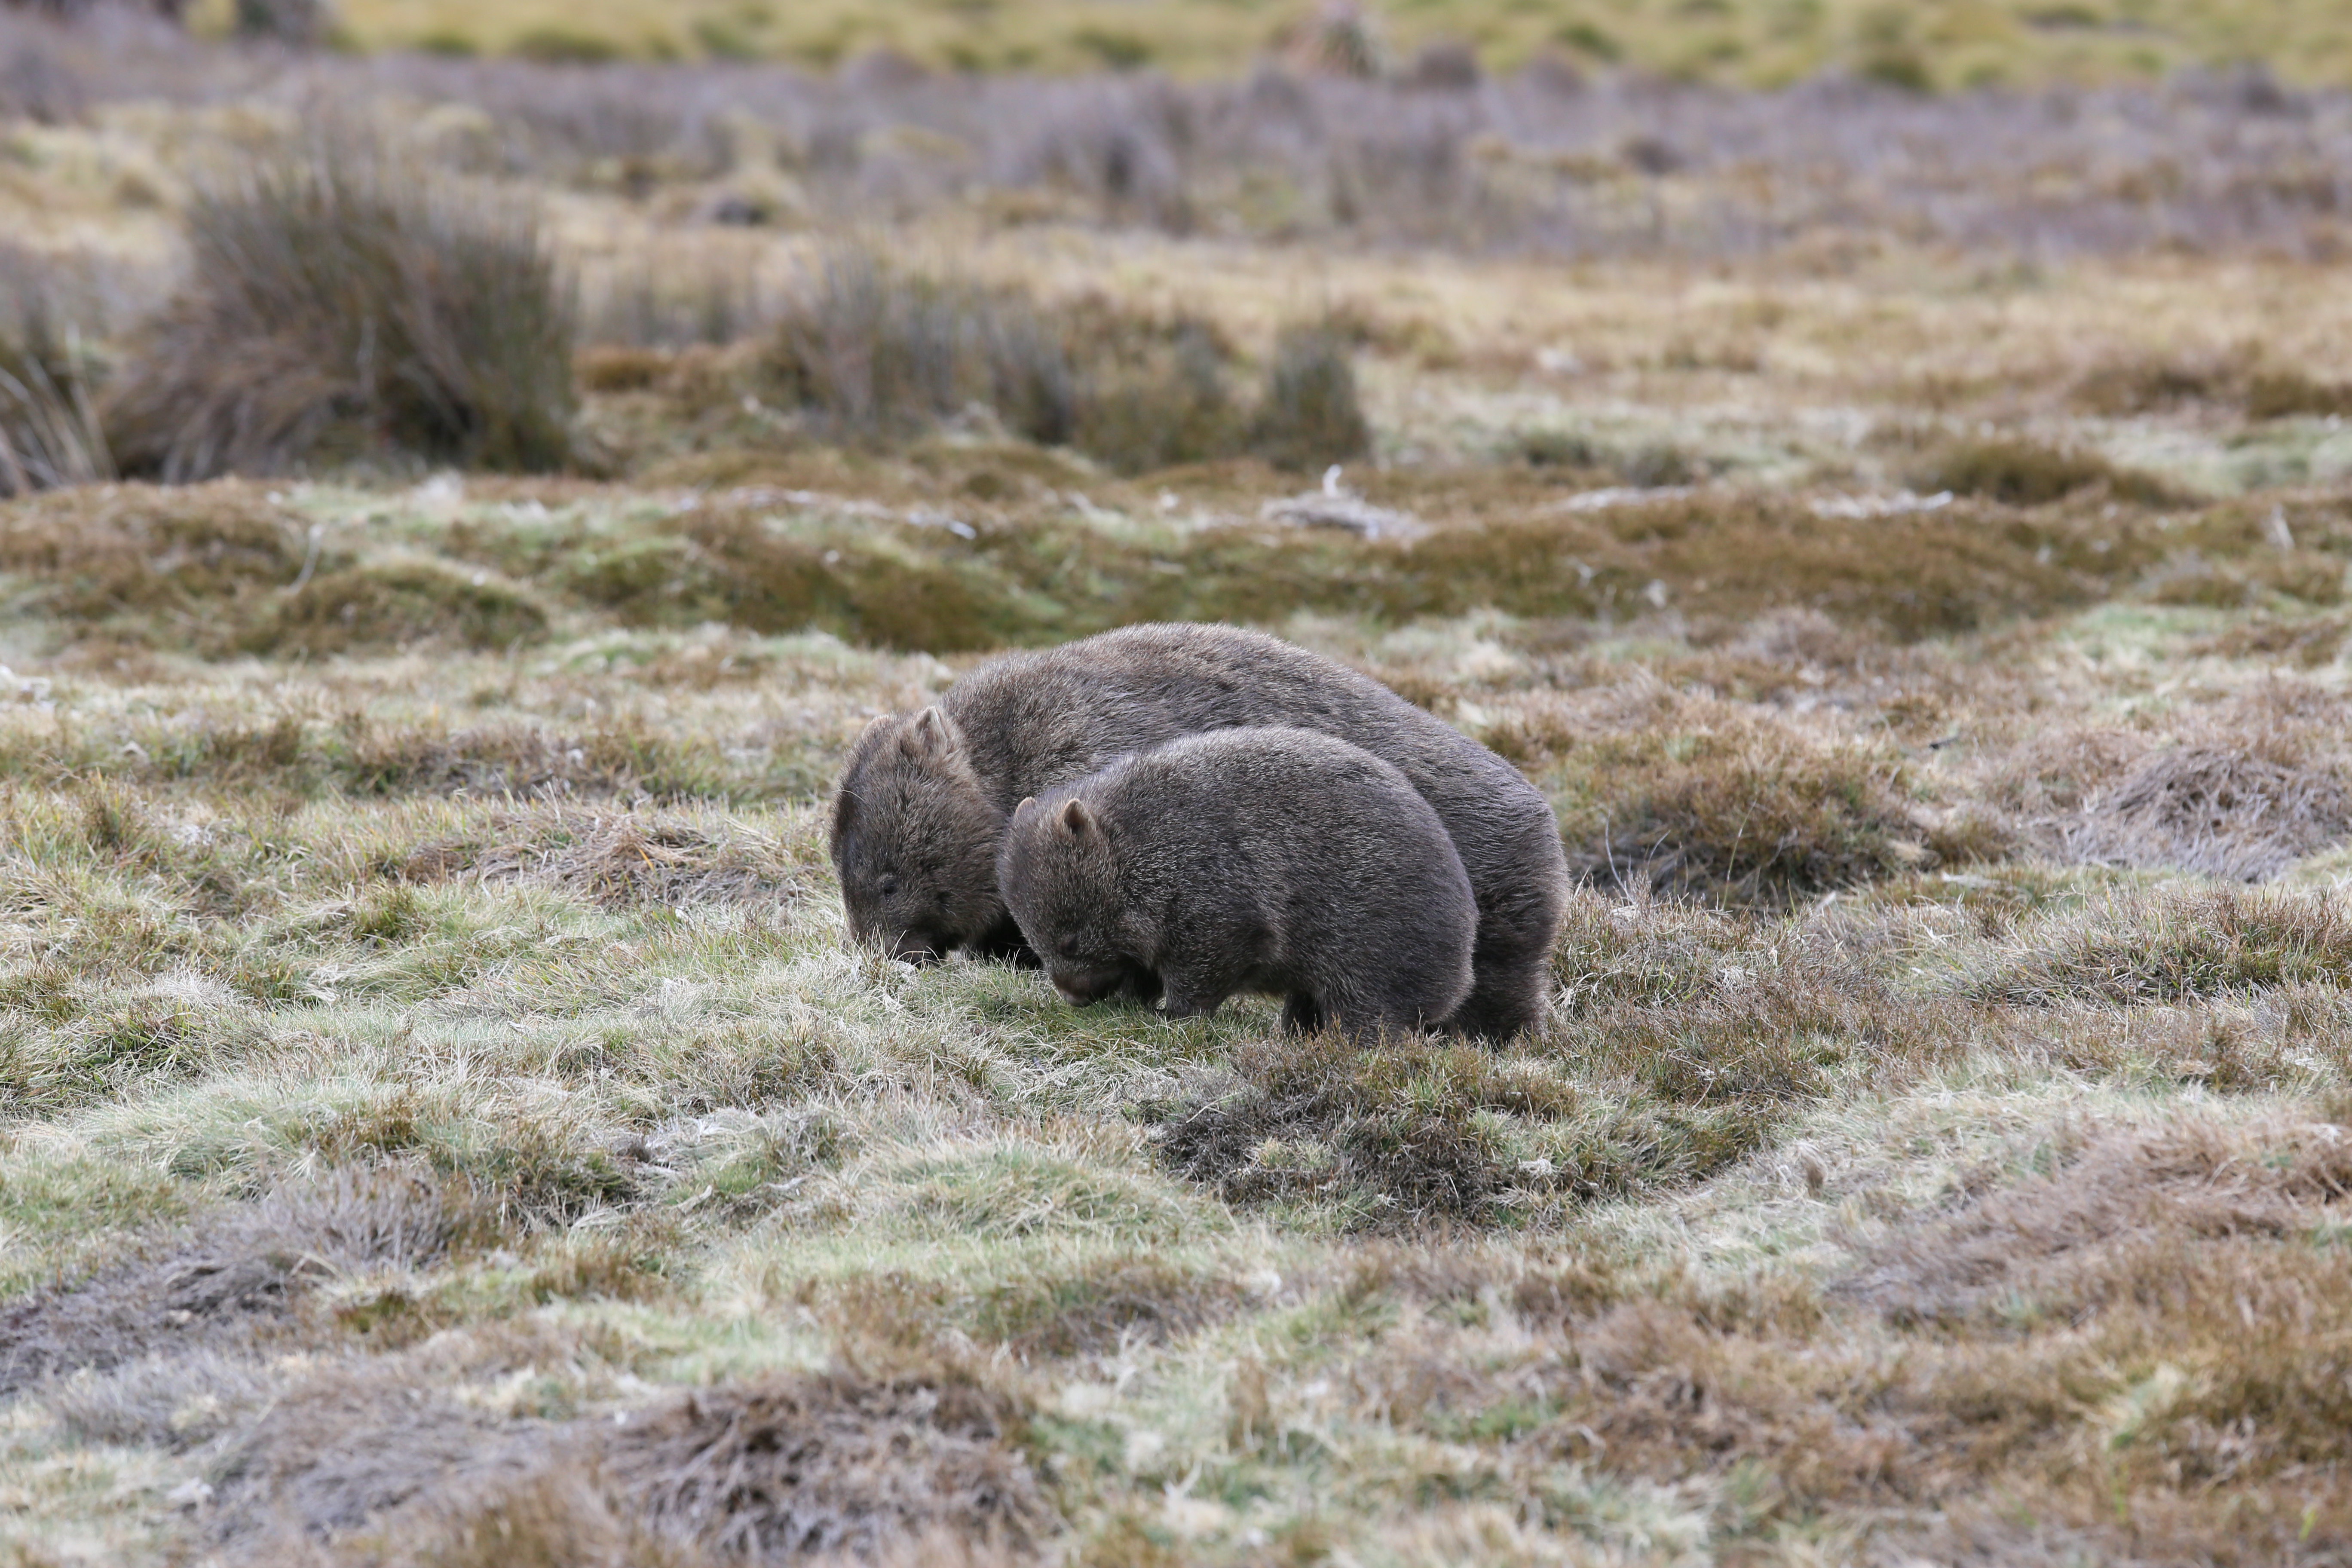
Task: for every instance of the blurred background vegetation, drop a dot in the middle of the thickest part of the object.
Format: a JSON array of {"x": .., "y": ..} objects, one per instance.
[{"x": 1926, "y": 43}]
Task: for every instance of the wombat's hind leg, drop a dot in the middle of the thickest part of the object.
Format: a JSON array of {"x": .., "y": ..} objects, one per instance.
[{"x": 1301, "y": 1014}]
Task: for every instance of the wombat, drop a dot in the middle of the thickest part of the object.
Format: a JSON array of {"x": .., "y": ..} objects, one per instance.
[
  {"x": 1270, "y": 860},
  {"x": 923, "y": 802}
]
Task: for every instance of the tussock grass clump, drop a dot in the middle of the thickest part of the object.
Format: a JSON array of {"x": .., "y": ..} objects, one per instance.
[
  {"x": 344, "y": 303},
  {"x": 2167, "y": 946},
  {"x": 620, "y": 859},
  {"x": 2220, "y": 811}
]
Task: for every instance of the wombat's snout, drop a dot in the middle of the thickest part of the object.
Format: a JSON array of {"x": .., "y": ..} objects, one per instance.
[
  {"x": 1083, "y": 987},
  {"x": 918, "y": 947}
]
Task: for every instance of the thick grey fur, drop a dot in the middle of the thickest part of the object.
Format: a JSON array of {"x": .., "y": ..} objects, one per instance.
[
  {"x": 1268, "y": 860},
  {"x": 923, "y": 802}
]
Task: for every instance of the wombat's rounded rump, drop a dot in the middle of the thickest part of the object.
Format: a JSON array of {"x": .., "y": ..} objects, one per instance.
[
  {"x": 1270, "y": 860},
  {"x": 923, "y": 803}
]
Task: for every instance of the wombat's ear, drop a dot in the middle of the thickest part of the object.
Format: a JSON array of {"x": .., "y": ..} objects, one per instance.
[
  {"x": 1028, "y": 803},
  {"x": 1077, "y": 819},
  {"x": 931, "y": 736}
]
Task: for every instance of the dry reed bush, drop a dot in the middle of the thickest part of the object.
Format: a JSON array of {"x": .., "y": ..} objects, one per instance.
[
  {"x": 875, "y": 351},
  {"x": 49, "y": 370},
  {"x": 1310, "y": 415},
  {"x": 341, "y": 302}
]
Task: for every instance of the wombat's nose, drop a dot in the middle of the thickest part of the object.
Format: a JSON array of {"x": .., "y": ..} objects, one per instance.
[{"x": 913, "y": 947}]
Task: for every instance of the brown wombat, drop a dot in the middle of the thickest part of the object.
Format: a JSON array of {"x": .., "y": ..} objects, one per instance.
[
  {"x": 1270, "y": 860},
  {"x": 923, "y": 802}
]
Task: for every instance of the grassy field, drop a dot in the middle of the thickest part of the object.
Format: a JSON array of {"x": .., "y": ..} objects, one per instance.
[
  {"x": 1750, "y": 43},
  {"x": 442, "y": 1121}
]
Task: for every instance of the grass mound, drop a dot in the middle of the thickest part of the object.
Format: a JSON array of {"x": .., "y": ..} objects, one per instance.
[
  {"x": 344, "y": 302},
  {"x": 397, "y": 603},
  {"x": 158, "y": 567},
  {"x": 1747, "y": 815},
  {"x": 2020, "y": 472},
  {"x": 2170, "y": 946}
]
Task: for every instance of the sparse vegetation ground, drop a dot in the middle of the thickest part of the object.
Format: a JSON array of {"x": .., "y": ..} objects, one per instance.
[{"x": 441, "y": 1121}]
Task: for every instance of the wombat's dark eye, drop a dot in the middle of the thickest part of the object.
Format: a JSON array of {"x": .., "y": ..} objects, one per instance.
[
  {"x": 943, "y": 897},
  {"x": 886, "y": 886},
  {"x": 1069, "y": 946}
]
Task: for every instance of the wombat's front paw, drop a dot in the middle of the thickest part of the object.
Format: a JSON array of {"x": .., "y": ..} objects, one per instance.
[{"x": 1187, "y": 1007}]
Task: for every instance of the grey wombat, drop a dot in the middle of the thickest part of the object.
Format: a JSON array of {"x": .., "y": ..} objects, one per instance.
[
  {"x": 923, "y": 802},
  {"x": 1272, "y": 860}
]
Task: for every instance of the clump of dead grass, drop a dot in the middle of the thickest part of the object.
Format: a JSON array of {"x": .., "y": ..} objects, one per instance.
[
  {"x": 2220, "y": 811},
  {"x": 800, "y": 1465}
]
